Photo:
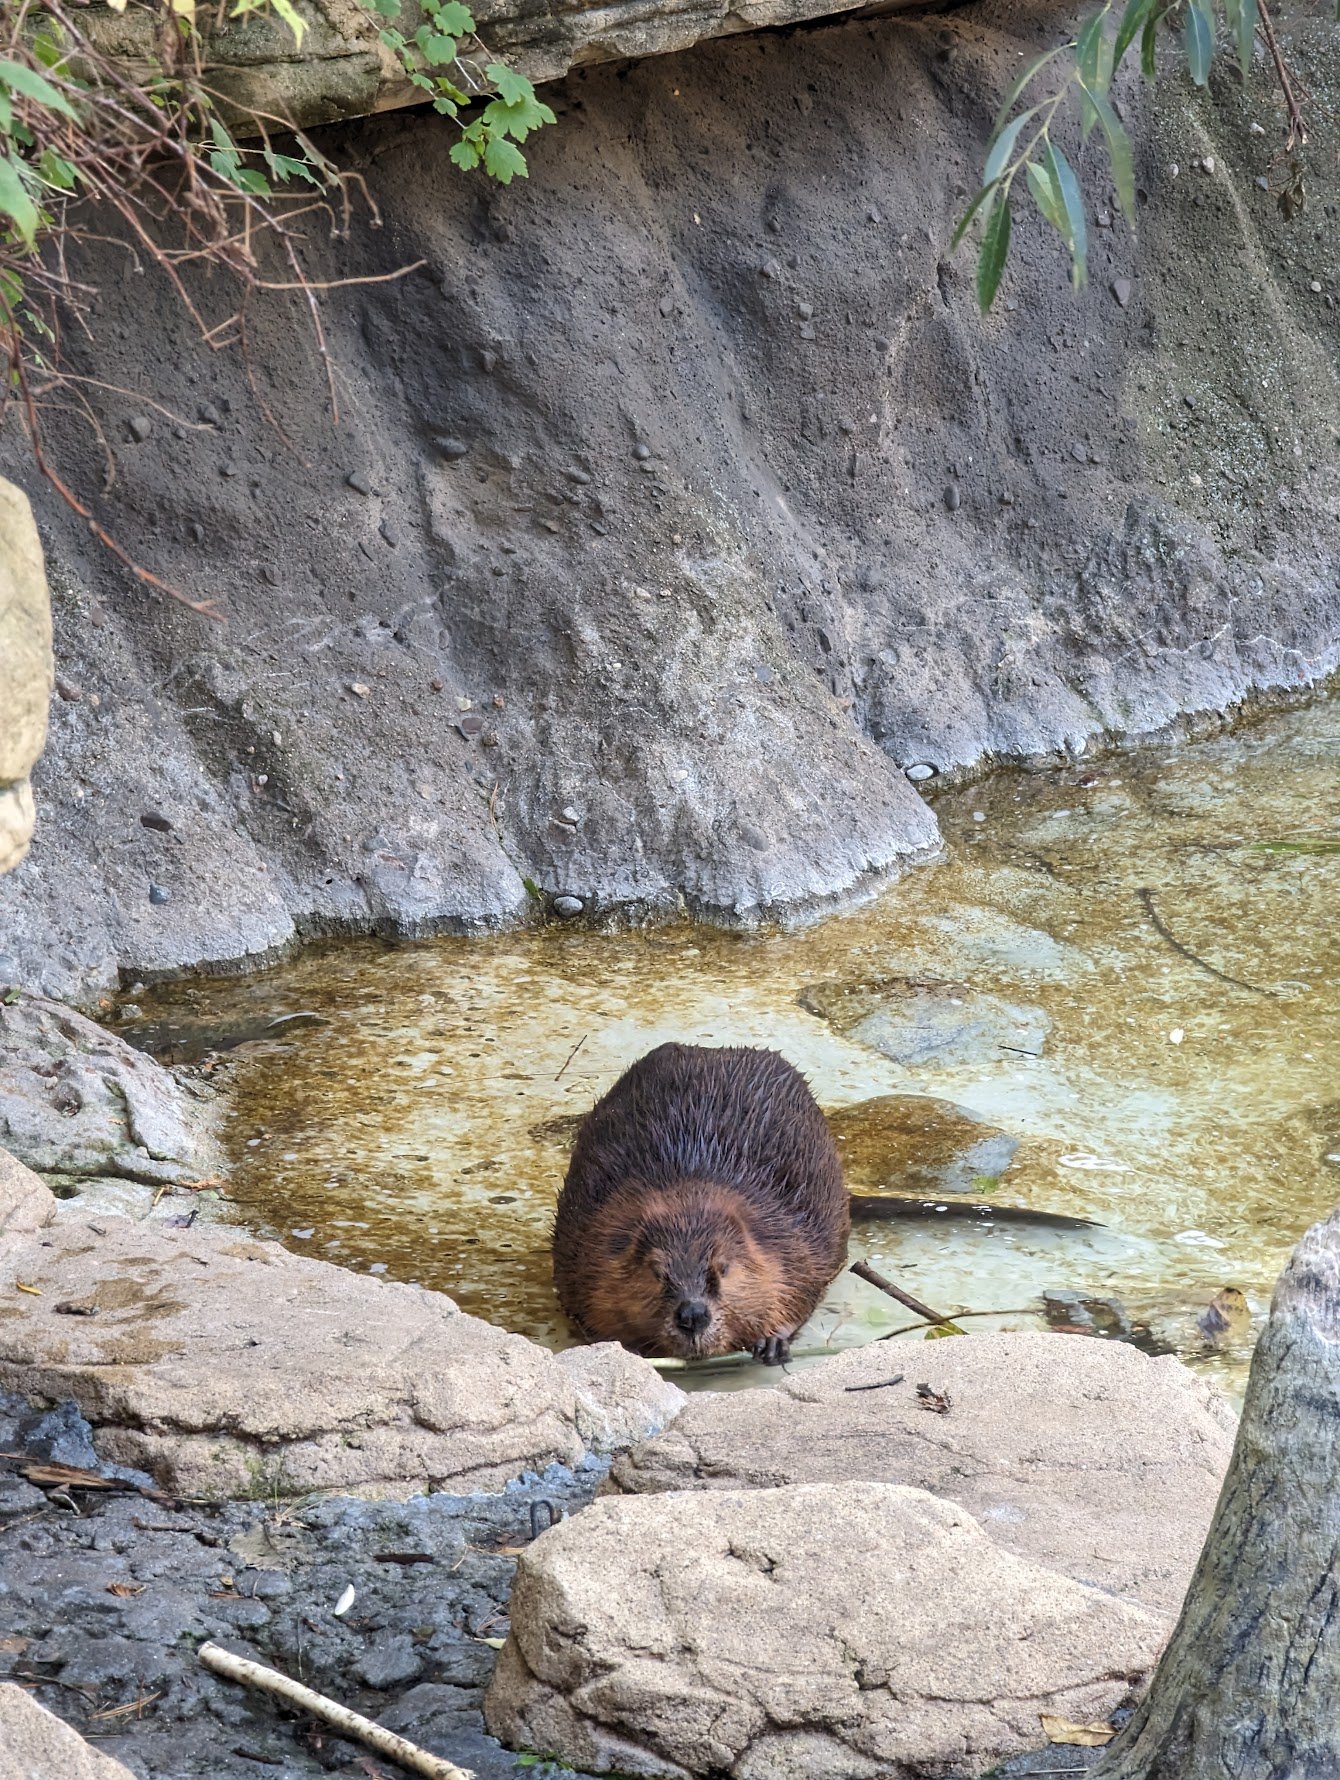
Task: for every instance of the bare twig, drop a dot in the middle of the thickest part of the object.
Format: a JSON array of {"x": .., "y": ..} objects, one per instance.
[
  {"x": 863, "y": 1270},
  {"x": 340, "y": 1718},
  {"x": 1297, "y": 126},
  {"x": 1146, "y": 896}
]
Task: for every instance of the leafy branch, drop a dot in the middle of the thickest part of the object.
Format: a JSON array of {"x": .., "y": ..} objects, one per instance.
[
  {"x": 195, "y": 189},
  {"x": 1023, "y": 142}
]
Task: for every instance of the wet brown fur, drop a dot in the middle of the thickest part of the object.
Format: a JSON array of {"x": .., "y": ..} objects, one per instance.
[{"x": 706, "y": 1177}]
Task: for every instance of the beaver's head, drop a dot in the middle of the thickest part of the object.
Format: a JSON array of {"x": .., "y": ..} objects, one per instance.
[{"x": 680, "y": 1271}]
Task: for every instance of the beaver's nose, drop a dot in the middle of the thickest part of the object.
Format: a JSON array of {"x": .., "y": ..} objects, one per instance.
[{"x": 693, "y": 1316}]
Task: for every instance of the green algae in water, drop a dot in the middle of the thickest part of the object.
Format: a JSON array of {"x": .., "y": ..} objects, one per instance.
[{"x": 1050, "y": 1019}]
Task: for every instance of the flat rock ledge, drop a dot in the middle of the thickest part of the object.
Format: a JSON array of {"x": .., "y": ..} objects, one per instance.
[
  {"x": 228, "y": 1367},
  {"x": 35, "y": 1745},
  {"x": 1085, "y": 1456},
  {"x": 820, "y": 1632}
]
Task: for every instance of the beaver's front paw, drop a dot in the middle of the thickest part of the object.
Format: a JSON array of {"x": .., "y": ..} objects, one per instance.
[{"x": 773, "y": 1350}]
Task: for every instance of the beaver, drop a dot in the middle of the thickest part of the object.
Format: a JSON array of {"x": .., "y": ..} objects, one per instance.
[{"x": 704, "y": 1208}]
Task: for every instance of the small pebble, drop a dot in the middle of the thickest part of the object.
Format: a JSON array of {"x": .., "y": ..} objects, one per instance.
[
  {"x": 920, "y": 771},
  {"x": 140, "y": 428},
  {"x": 770, "y": 269},
  {"x": 303, "y": 1235},
  {"x": 804, "y": 310},
  {"x": 568, "y": 906},
  {"x": 764, "y": 675},
  {"x": 1080, "y": 453},
  {"x": 755, "y": 838},
  {"x": 1207, "y": 165},
  {"x": 1121, "y": 290},
  {"x": 1315, "y": 287},
  {"x": 471, "y": 725},
  {"x": 159, "y": 894},
  {"x": 667, "y": 305},
  {"x": 952, "y": 497},
  {"x": 71, "y": 693},
  {"x": 197, "y": 532},
  {"x": 358, "y": 482},
  {"x": 580, "y": 477},
  {"x": 452, "y": 449},
  {"x": 979, "y": 815},
  {"x": 209, "y": 414},
  {"x": 345, "y": 1602},
  {"x": 489, "y": 360},
  {"x": 358, "y": 689},
  {"x": 570, "y": 815},
  {"x": 389, "y": 533},
  {"x": 641, "y": 452},
  {"x": 1176, "y": 1036}
]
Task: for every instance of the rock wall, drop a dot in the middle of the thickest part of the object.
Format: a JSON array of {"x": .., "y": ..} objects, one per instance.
[
  {"x": 679, "y": 502},
  {"x": 25, "y": 669}
]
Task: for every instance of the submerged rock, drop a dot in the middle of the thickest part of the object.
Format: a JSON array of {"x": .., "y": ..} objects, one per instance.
[
  {"x": 821, "y": 1632},
  {"x": 914, "y": 1143},
  {"x": 915, "y": 1020},
  {"x": 1086, "y": 1456}
]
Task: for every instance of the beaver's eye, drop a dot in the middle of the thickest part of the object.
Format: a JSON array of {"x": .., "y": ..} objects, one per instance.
[{"x": 713, "y": 1281}]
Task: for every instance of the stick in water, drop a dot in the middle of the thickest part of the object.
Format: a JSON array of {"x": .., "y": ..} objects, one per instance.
[
  {"x": 863, "y": 1270},
  {"x": 340, "y": 1718}
]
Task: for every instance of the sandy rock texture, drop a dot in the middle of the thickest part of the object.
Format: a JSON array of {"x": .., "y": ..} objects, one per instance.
[
  {"x": 620, "y": 1399},
  {"x": 226, "y": 1367},
  {"x": 35, "y": 1745},
  {"x": 820, "y": 1632},
  {"x": 679, "y": 503},
  {"x": 26, "y": 1202},
  {"x": 1083, "y": 1456},
  {"x": 25, "y": 669},
  {"x": 79, "y": 1103}
]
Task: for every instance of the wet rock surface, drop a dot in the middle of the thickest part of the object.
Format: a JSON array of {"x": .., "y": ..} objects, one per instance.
[
  {"x": 1083, "y": 1456},
  {"x": 823, "y": 1632},
  {"x": 105, "y": 1608},
  {"x": 917, "y": 1022},
  {"x": 688, "y": 568}
]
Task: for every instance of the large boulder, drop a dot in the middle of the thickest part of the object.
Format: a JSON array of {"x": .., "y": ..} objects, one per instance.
[
  {"x": 35, "y": 1745},
  {"x": 26, "y": 669},
  {"x": 79, "y": 1102},
  {"x": 620, "y": 1399},
  {"x": 824, "y": 1632},
  {"x": 229, "y": 1367},
  {"x": 26, "y": 1202},
  {"x": 1086, "y": 1456}
]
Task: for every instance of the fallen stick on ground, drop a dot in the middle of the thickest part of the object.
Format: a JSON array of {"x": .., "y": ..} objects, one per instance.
[
  {"x": 339, "y": 1718},
  {"x": 863, "y": 1270}
]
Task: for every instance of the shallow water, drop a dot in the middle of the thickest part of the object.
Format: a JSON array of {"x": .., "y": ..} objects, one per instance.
[{"x": 1061, "y": 976}]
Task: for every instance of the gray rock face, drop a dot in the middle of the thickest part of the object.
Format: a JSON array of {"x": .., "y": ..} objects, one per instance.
[
  {"x": 825, "y": 1632},
  {"x": 78, "y": 1101},
  {"x": 1081, "y": 1455},
  {"x": 26, "y": 1202},
  {"x": 693, "y": 576}
]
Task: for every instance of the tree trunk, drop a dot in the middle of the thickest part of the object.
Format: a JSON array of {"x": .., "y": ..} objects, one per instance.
[{"x": 1249, "y": 1687}]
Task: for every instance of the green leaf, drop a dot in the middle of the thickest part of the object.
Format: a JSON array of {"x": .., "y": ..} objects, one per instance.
[
  {"x": 1088, "y": 50},
  {"x": 466, "y": 154},
  {"x": 941, "y": 1330},
  {"x": 512, "y": 88},
  {"x": 386, "y": 9},
  {"x": 503, "y": 160},
  {"x": 1119, "y": 153},
  {"x": 966, "y": 219},
  {"x": 1003, "y": 147},
  {"x": 1034, "y": 67},
  {"x": 1199, "y": 37},
  {"x": 21, "y": 79},
  {"x": 56, "y": 170},
  {"x": 456, "y": 20},
  {"x": 16, "y": 202},
  {"x": 296, "y": 23},
  {"x": 445, "y": 108},
  {"x": 1046, "y": 197},
  {"x": 1132, "y": 22},
  {"x": 439, "y": 51},
  {"x": 1088, "y": 113},
  {"x": 1242, "y": 16},
  {"x": 517, "y": 120},
  {"x": 1077, "y": 238},
  {"x": 993, "y": 251},
  {"x": 6, "y": 113},
  {"x": 286, "y": 167},
  {"x": 392, "y": 39},
  {"x": 1148, "y": 45}
]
